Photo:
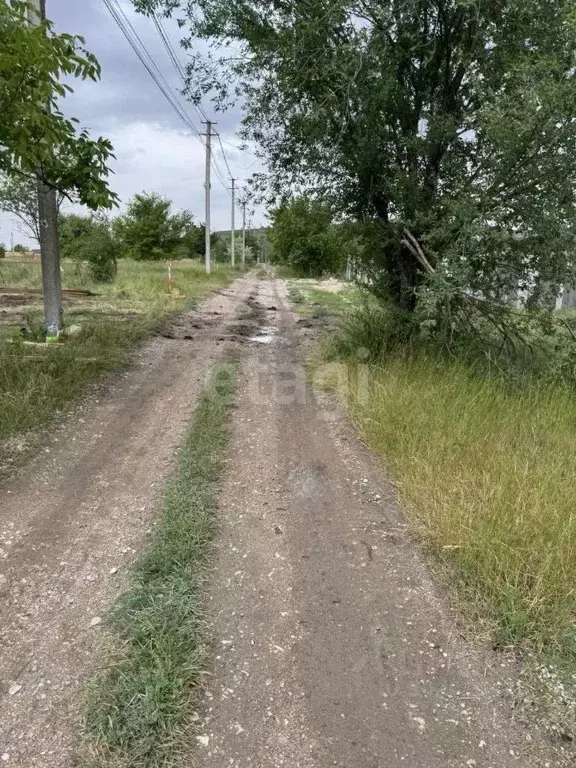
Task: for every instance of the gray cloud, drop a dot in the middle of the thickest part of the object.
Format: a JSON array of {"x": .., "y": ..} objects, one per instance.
[{"x": 154, "y": 149}]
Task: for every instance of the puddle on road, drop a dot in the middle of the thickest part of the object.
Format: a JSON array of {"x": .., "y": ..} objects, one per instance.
[{"x": 264, "y": 335}]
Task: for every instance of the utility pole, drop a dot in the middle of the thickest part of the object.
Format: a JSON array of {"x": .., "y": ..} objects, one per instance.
[
  {"x": 233, "y": 232},
  {"x": 209, "y": 125},
  {"x": 48, "y": 217},
  {"x": 243, "y": 232}
]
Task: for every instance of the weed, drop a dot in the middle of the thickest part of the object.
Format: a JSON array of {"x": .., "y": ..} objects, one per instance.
[
  {"x": 37, "y": 383},
  {"x": 138, "y": 711},
  {"x": 485, "y": 476},
  {"x": 484, "y": 470}
]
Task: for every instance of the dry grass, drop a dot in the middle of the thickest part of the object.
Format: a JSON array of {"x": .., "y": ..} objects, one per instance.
[
  {"x": 486, "y": 478},
  {"x": 36, "y": 383}
]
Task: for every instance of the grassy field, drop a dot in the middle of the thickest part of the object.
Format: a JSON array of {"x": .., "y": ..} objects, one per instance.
[
  {"x": 485, "y": 476},
  {"x": 36, "y": 382},
  {"x": 139, "y": 709}
]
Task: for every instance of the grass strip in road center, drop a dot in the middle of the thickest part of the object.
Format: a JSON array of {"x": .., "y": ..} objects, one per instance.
[{"x": 139, "y": 711}]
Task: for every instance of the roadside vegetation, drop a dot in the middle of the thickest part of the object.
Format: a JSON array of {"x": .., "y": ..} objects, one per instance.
[
  {"x": 483, "y": 459},
  {"x": 37, "y": 382},
  {"x": 140, "y": 710}
]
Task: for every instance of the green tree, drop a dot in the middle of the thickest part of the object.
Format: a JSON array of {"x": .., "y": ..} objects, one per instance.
[
  {"x": 35, "y": 136},
  {"x": 220, "y": 249},
  {"x": 89, "y": 239},
  {"x": 304, "y": 237},
  {"x": 149, "y": 231},
  {"x": 445, "y": 126},
  {"x": 19, "y": 197},
  {"x": 193, "y": 240}
]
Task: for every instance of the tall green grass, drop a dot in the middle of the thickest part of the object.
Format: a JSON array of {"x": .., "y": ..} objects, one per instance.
[
  {"x": 139, "y": 710},
  {"x": 486, "y": 476}
]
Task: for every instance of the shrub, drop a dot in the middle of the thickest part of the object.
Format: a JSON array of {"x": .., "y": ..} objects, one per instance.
[
  {"x": 304, "y": 237},
  {"x": 99, "y": 250},
  {"x": 89, "y": 238}
]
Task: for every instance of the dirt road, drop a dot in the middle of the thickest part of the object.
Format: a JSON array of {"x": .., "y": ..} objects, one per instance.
[
  {"x": 71, "y": 525},
  {"x": 333, "y": 645},
  {"x": 334, "y": 648}
]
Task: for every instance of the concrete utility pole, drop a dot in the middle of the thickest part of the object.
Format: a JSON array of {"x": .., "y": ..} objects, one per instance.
[
  {"x": 233, "y": 232},
  {"x": 209, "y": 125},
  {"x": 48, "y": 217},
  {"x": 243, "y": 233}
]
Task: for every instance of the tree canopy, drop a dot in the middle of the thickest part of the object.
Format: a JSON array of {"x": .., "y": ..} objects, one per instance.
[
  {"x": 149, "y": 230},
  {"x": 446, "y": 126},
  {"x": 303, "y": 236},
  {"x": 36, "y": 138}
]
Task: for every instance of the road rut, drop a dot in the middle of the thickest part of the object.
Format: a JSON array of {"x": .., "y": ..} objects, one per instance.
[
  {"x": 72, "y": 524},
  {"x": 334, "y": 648}
]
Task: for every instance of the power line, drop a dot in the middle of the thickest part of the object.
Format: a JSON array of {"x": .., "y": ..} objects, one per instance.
[
  {"x": 176, "y": 63},
  {"x": 224, "y": 156},
  {"x": 151, "y": 67},
  {"x": 169, "y": 48},
  {"x": 148, "y": 63}
]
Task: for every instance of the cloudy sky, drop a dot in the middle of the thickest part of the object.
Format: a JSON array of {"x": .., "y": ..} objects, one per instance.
[{"x": 154, "y": 149}]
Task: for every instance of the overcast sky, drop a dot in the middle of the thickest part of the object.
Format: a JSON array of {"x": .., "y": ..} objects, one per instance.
[{"x": 154, "y": 150}]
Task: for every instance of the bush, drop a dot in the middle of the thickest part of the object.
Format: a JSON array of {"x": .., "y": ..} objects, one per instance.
[
  {"x": 371, "y": 331},
  {"x": 304, "y": 237},
  {"x": 89, "y": 238},
  {"x": 2, "y": 250},
  {"x": 19, "y": 248},
  {"x": 221, "y": 251},
  {"x": 99, "y": 250}
]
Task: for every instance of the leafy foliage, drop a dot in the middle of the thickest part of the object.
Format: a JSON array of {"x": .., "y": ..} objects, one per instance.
[
  {"x": 148, "y": 230},
  {"x": 220, "y": 250},
  {"x": 19, "y": 197},
  {"x": 89, "y": 238},
  {"x": 452, "y": 120},
  {"x": 193, "y": 240},
  {"x": 304, "y": 238},
  {"x": 35, "y": 136}
]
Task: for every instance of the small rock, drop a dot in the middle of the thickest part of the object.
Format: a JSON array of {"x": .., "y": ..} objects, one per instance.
[
  {"x": 203, "y": 740},
  {"x": 74, "y": 330},
  {"x": 421, "y": 722},
  {"x": 5, "y": 757},
  {"x": 14, "y": 689},
  {"x": 470, "y": 762},
  {"x": 113, "y": 571},
  {"x": 277, "y": 530},
  {"x": 95, "y": 621}
]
